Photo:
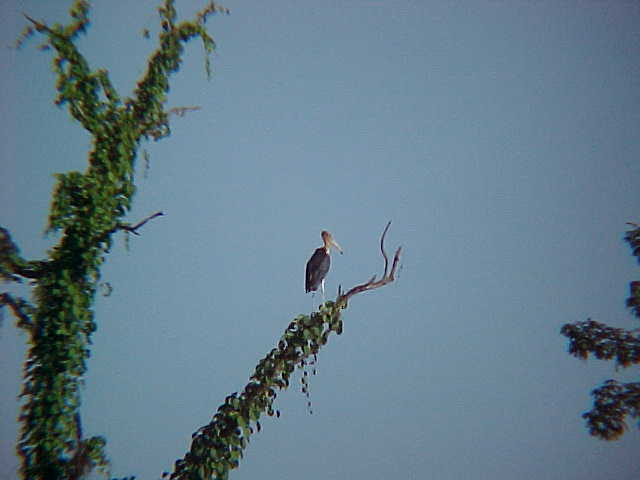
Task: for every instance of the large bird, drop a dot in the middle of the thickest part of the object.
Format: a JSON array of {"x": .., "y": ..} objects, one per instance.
[{"x": 319, "y": 263}]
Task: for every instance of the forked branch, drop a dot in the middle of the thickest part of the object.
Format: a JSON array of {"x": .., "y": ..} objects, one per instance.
[
  {"x": 387, "y": 276},
  {"x": 127, "y": 227}
]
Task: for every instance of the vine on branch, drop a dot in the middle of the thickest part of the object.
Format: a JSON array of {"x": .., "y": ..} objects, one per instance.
[
  {"x": 217, "y": 447},
  {"x": 86, "y": 210}
]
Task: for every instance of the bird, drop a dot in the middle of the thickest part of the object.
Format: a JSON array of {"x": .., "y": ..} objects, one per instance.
[{"x": 319, "y": 263}]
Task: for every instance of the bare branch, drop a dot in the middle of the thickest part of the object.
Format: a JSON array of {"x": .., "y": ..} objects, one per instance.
[
  {"x": 372, "y": 284},
  {"x": 384, "y": 254},
  {"x": 182, "y": 111},
  {"x": 135, "y": 228},
  {"x": 39, "y": 25}
]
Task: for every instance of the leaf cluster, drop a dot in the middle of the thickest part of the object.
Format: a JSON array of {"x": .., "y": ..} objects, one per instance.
[
  {"x": 613, "y": 401},
  {"x": 602, "y": 341}
]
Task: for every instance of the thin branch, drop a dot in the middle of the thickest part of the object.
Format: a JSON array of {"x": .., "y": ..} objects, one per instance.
[
  {"x": 39, "y": 25},
  {"x": 182, "y": 111},
  {"x": 134, "y": 229},
  {"x": 125, "y": 226},
  {"x": 20, "y": 308},
  {"x": 372, "y": 284},
  {"x": 384, "y": 254}
]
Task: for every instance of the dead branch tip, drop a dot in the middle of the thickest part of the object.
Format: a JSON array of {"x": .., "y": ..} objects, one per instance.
[
  {"x": 39, "y": 25},
  {"x": 387, "y": 277}
]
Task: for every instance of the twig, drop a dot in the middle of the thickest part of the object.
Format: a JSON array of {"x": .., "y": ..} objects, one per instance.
[
  {"x": 18, "y": 306},
  {"x": 134, "y": 229},
  {"x": 182, "y": 111},
  {"x": 372, "y": 284},
  {"x": 384, "y": 254},
  {"x": 37, "y": 24}
]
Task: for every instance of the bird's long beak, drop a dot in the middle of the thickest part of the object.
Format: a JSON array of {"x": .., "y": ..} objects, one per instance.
[{"x": 335, "y": 244}]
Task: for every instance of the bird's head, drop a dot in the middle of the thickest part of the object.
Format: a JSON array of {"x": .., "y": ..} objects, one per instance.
[{"x": 329, "y": 242}]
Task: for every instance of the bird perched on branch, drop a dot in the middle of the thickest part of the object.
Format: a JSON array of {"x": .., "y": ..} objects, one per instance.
[{"x": 319, "y": 263}]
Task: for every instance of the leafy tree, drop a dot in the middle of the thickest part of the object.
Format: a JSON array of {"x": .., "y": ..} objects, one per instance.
[
  {"x": 613, "y": 401},
  {"x": 87, "y": 210}
]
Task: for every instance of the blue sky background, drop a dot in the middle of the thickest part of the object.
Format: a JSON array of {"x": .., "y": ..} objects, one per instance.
[{"x": 501, "y": 138}]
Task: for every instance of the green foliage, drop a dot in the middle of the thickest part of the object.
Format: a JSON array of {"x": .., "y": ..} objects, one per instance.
[
  {"x": 86, "y": 211},
  {"x": 217, "y": 447},
  {"x": 613, "y": 401}
]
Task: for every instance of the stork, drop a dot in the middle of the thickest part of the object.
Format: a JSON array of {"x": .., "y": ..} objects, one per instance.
[{"x": 319, "y": 263}]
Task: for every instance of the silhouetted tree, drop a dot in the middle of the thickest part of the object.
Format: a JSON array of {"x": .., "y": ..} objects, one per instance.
[
  {"x": 613, "y": 401},
  {"x": 86, "y": 211}
]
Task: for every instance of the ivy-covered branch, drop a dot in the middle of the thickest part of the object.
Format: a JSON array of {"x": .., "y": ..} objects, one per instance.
[
  {"x": 86, "y": 210},
  {"x": 146, "y": 107},
  {"x": 77, "y": 85},
  {"x": 217, "y": 447}
]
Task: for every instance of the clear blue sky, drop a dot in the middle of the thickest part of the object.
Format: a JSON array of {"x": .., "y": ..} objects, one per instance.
[{"x": 500, "y": 137}]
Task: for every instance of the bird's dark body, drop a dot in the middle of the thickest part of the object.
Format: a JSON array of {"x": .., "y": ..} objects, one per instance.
[{"x": 317, "y": 268}]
